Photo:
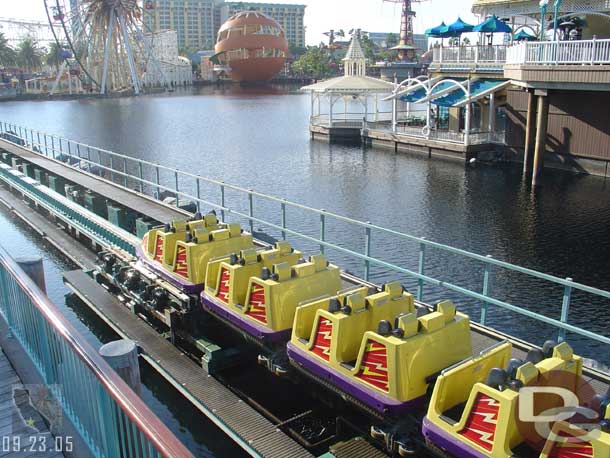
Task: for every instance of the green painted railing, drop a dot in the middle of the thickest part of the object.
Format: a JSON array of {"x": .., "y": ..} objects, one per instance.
[
  {"x": 111, "y": 419},
  {"x": 146, "y": 177}
]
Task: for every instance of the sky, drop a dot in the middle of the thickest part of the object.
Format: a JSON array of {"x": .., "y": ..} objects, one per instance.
[{"x": 323, "y": 15}]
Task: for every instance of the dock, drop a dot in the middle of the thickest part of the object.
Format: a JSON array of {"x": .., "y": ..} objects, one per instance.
[{"x": 14, "y": 404}]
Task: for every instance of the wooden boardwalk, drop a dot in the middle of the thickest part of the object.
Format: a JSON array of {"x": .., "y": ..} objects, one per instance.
[{"x": 21, "y": 437}]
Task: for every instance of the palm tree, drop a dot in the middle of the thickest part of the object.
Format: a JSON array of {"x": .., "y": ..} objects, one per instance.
[
  {"x": 29, "y": 55},
  {"x": 54, "y": 55},
  {"x": 7, "y": 54}
]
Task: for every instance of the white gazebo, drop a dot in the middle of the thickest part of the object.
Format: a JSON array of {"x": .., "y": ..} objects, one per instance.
[{"x": 354, "y": 88}]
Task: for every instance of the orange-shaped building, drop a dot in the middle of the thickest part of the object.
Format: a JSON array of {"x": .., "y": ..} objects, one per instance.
[{"x": 252, "y": 46}]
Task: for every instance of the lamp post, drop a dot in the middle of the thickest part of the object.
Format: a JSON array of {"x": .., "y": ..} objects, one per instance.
[
  {"x": 543, "y": 5},
  {"x": 556, "y": 5}
]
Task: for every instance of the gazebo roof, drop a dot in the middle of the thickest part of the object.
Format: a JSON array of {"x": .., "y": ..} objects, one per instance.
[
  {"x": 351, "y": 85},
  {"x": 355, "y": 52}
]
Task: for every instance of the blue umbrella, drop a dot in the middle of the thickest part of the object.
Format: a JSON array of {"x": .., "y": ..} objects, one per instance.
[
  {"x": 492, "y": 25},
  {"x": 437, "y": 32},
  {"x": 458, "y": 27}
]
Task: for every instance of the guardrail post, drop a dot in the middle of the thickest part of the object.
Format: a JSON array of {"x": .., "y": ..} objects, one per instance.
[
  {"x": 284, "y": 220},
  {"x": 222, "y": 201},
  {"x": 367, "y": 251},
  {"x": 112, "y": 168},
  {"x": 78, "y": 151},
  {"x": 69, "y": 149},
  {"x": 198, "y": 194},
  {"x": 53, "y": 146},
  {"x": 157, "y": 181},
  {"x": 38, "y": 138},
  {"x": 33, "y": 268},
  {"x": 125, "y": 183},
  {"x": 176, "y": 187},
  {"x": 593, "y": 43},
  {"x": 46, "y": 148},
  {"x": 322, "y": 229},
  {"x": 486, "y": 289},
  {"x": 141, "y": 176},
  {"x": 421, "y": 267},
  {"x": 89, "y": 155},
  {"x": 251, "y": 211},
  {"x": 565, "y": 308}
]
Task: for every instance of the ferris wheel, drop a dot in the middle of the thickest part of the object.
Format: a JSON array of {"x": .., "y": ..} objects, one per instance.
[{"x": 102, "y": 42}]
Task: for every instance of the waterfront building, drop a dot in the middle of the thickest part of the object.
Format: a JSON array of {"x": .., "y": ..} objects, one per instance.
[
  {"x": 197, "y": 21},
  {"x": 290, "y": 17},
  {"x": 167, "y": 67},
  {"x": 557, "y": 106},
  {"x": 541, "y": 103}
]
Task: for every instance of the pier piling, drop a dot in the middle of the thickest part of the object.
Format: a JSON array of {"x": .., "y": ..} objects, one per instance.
[{"x": 122, "y": 355}]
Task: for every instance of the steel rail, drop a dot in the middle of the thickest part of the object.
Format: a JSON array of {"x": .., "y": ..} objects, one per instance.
[{"x": 155, "y": 431}]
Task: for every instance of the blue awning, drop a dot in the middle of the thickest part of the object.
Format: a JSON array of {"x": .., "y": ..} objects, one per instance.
[
  {"x": 414, "y": 96},
  {"x": 478, "y": 89}
]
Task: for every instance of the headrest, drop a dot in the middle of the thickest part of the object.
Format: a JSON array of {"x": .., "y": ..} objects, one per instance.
[
  {"x": 394, "y": 289},
  {"x": 196, "y": 217},
  {"x": 563, "y": 351},
  {"x": 447, "y": 308},
  {"x": 179, "y": 225},
  {"x": 234, "y": 229},
  {"x": 334, "y": 305},
  {"x": 201, "y": 235},
  {"x": 356, "y": 302},
  {"x": 210, "y": 219},
  {"x": 283, "y": 247},
  {"x": 547, "y": 348},
  {"x": 220, "y": 234},
  {"x": 304, "y": 270},
  {"x": 526, "y": 373},
  {"x": 281, "y": 271},
  {"x": 534, "y": 356},
  {"x": 497, "y": 378},
  {"x": 384, "y": 328},
  {"x": 408, "y": 323},
  {"x": 319, "y": 262},
  {"x": 512, "y": 366},
  {"x": 249, "y": 256}
]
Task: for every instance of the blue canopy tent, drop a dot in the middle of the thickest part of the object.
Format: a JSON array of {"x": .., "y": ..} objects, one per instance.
[
  {"x": 437, "y": 32},
  {"x": 458, "y": 28},
  {"x": 522, "y": 35},
  {"x": 492, "y": 25}
]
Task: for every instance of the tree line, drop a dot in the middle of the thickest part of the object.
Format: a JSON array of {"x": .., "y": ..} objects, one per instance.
[{"x": 28, "y": 55}]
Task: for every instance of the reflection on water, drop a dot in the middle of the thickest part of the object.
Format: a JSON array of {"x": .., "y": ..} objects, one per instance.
[{"x": 258, "y": 138}]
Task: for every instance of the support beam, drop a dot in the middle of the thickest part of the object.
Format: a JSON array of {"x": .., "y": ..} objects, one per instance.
[
  {"x": 530, "y": 131},
  {"x": 107, "y": 51},
  {"x": 492, "y": 113},
  {"x": 132, "y": 65},
  {"x": 541, "y": 126}
]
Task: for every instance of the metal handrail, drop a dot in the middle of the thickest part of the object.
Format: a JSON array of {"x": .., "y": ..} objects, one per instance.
[
  {"x": 161, "y": 442},
  {"x": 487, "y": 261}
]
